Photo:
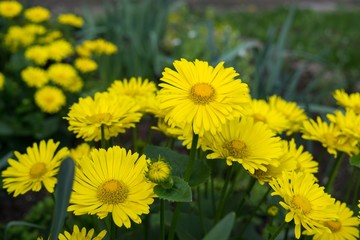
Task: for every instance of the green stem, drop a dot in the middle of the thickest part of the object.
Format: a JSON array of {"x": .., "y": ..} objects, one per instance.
[
  {"x": 187, "y": 176},
  {"x": 103, "y": 141},
  {"x": 201, "y": 213},
  {"x": 212, "y": 188},
  {"x": 162, "y": 219},
  {"x": 277, "y": 232},
  {"x": 134, "y": 138},
  {"x": 350, "y": 185},
  {"x": 220, "y": 209},
  {"x": 334, "y": 172},
  {"x": 250, "y": 186}
]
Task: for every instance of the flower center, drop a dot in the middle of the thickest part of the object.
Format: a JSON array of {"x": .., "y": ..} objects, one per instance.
[
  {"x": 299, "y": 202},
  {"x": 112, "y": 192},
  {"x": 236, "y": 148},
  {"x": 38, "y": 170},
  {"x": 334, "y": 226},
  {"x": 330, "y": 139},
  {"x": 202, "y": 93},
  {"x": 100, "y": 118}
]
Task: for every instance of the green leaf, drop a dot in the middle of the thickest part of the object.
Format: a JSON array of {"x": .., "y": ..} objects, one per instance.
[
  {"x": 177, "y": 161},
  {"x": 200, "y": 172},
  {"x": 20, "y": 223},
  {"x": 223, "y": 229},
  {"x": 180, "y": 191},
  {"x": 355, "y": 161},
  {"x": 62, "y": 196}
]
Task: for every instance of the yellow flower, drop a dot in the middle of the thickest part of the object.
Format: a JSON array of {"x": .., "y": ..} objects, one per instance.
[
  {"x": 10, "y": 9},
  {"x": 37, "y": 14},
  {"x": 2, "y": 81},
  {"x": 120, "y": 188},
  {"x": 261, "y": 111},
  {"x": 115, "y": 114},
  {"x": 79, "y": 152},
  {"x": 347, "y": 122},
  {"x": 141, "y": 91},
  {"x": 38, "y": 54},
  {"x": 158, "y": 172},
  {"x": 59, "y": 49},
  {"x": 81, "y": 235},
  {"x": 103, "y": 47},
  {"x": 249, "y": 143},
  {"x": 348, "y": 101},
  {"x": 345, "y": 227},
  {"x": 85, "y": 65},
  {"x": 50, "y": 99},
  {"x": 34, "y": 77},
  {"x": 71, "y": 19},
  {"x": 292, "y": 112},
  {"x": 201, "y": 96},
  {"x": 37, "y": 167},
  {"x": 305, "y": 201},
  {"x": 63, "y": 74},
  {"x": 50, "y": 37},
  {"x": 329, "y": 135},
  {"x": 17, "y": 37}
]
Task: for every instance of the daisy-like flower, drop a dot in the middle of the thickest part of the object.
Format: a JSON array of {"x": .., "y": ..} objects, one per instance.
[
  {"x": 33, "y": 169},
  {"x": 81, "y": 235},
  {"x": 136, "y": 88},
  {"x": 329, "y": 135},
  {"x": 287, "y": 163},
  {"x": 50, "y": 99},
  {"x": 38, "y": 54},
  {"x": 79, "y": 152},
  {"x": 261, "y": 111},
  {"x": 201, "y": 96},
  {"x": 158, "y": 171},
  {"x": 304, "y": 159},
  {"x": 115, "y": 114},
  {"x": 252, "y": 144},
  {"x": 71, "y": 20},
  {"x": 345, "y": 227},
  {"x": 10, "y": 9},
  {"x": 348, "y": 101},
  {"x": 120, "y": 188},
  {"x": 85, "y": 65},
  {"x": 37, "y": 14},
  {"x": 306, "y": 202},
  {"x": 63, "y": 74},
  {"x": 59, "y": 49},
  {"x": 292, "y": 112},
  {"x": 34, "y": 77},
  {"x": 348, "y": 122}
]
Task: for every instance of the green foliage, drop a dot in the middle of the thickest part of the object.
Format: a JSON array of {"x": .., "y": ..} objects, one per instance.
[
  {"x": 355, "y": 161},
  {"x": 179, "y": 192},
  {"x": 222, "y": 229}
]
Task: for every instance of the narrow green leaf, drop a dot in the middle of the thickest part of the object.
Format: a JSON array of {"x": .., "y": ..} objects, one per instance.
[
  {"x": 62, "y": 196},
  {"x": 20, "y": 223},
  {"x": 180, "y": 191},
  {"x": 223, "y": 229},
  {"x": 355, "y": 161}
]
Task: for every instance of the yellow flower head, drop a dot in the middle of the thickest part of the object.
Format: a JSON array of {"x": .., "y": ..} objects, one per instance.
[
  {"x": 305, "y": 201},
  {"x": 2, "y": 81},
  {"x": 113, "y": 114},
  {"x": 345, "y": 227},
  {"x": 17, "y": 37},
  {"x": 103, "y": 47},
  {"x": 292, "y": 112},
  {"x": 10, "y": 9},
  {"x": 34, "y": 77},
  {"x": 71, "y": 20},
  {"x": 79, "y": 152},
  {"x": 158, "y": 171},
  {"x": 85, "y": 65},
  {"x": 201, "y": 96},
  {"x": 37, "y": 14},
  {"x": 38, "y": 54},
  {"x": 141, "y": 91},
  {"x": 120, "y": 188},
  {"x": 347, "y": 122},
  {"x": 81, "y": 235},
  {"x": 50, "y": 99},
  {"x": 252, "y": 144},
  {"x": 329, "y": 135},
  {"x": 348, "y": 101},
  {"x": 261, "y": 111},
  {"x": 59, "y": 49},
  {"x": 37, "y": 167},
  {"x": 50, "y": 37},
  {"x": 63, "y": 74}
]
